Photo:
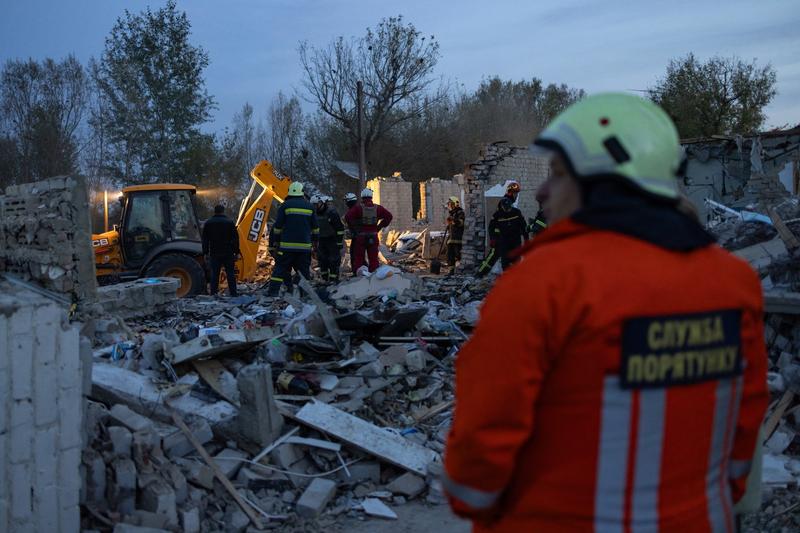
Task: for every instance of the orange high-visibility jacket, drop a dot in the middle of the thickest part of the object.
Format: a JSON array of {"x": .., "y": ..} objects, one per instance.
[{"x": 610, "y": 385}]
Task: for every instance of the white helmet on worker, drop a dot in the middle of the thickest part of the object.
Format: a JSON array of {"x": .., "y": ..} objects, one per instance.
[
  {"x": 350, "y": 197},
  {"x": 366, "y": 193},
  {"x": 295, "y": 189}
]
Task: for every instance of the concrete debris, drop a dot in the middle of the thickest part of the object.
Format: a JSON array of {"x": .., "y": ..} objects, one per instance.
[
  {"x": 215, "y": 413},
  {"x": 316, "y": 497},
  {"x": 375, "y": 507},
  {"x": 408, "y": 485}
]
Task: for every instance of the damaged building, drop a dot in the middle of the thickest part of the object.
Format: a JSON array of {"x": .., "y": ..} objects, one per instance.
[{"x": 124, "y": 407}]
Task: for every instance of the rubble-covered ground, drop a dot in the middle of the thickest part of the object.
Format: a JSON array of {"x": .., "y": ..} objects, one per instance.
[
  {"x": 325, "y": 408},
  {"x": 774, "y": 253},
  {"x": 328, "y": 408}
]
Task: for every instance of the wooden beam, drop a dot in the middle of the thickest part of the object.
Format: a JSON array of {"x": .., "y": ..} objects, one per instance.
[
  {"x": 777, "y": 414},
  {"x": 217, "y": 472}
]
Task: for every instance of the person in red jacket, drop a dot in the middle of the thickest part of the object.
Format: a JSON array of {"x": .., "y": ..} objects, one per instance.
[
  {"x": 632, "y": 381},
  {"x": 365, "y": 220}
]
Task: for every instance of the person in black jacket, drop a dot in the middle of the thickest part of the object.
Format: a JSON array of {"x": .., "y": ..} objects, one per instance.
[
  {"x": 221, "y": 247},
  {"x": 331, "y": 238},
  {"x": 455, "y": 227},
  {"x": 507, "y": 231},
  {"x": 293, "y": 236}
]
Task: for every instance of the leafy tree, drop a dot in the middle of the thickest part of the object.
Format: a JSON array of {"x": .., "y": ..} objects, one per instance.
[
  {"x": 394, "y": 61},
  {"x": 42, "y": 106},
  {"x": 151, "y": 77},
  {"x": 720, "y": 96}
]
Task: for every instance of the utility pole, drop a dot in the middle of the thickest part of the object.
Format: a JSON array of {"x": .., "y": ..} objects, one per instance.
[
  {"x": 105, "y": 211},
  {"x": 362, "y": 164}
]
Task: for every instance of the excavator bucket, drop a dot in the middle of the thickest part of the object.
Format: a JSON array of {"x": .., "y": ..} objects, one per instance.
[
  {"x": 264, "y": 174},
  {"x": 252, "y": 220}
]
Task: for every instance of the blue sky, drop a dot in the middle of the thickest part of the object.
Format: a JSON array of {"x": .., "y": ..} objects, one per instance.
[{"x": 595, "y": 45}]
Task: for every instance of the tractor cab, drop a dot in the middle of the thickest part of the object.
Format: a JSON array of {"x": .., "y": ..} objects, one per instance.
[
  {"x": 158, "y": 235},
  {"x": 153, "y": 215}
]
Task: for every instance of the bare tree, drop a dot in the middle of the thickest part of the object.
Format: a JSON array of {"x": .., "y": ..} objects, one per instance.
[
  {"x": 394, "y": 61},
  {"x": 284, "y": 133},
  {"x": 43, "y": 106},
  {"x": 245, "y": 133}
]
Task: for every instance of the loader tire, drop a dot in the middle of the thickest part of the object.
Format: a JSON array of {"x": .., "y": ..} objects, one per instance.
[{"x": 182, "y": 267}]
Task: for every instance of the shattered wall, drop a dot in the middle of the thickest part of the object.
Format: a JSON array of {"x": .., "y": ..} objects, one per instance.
[
  {"x": 499, "y": 162},
  {"x": 41, "y": 412},
  {"x": 45, "y": 235},
  {"x": 395, "y": 195},
  {"x": 740, "y": 171},
  {"x": 434, "y": 194}
]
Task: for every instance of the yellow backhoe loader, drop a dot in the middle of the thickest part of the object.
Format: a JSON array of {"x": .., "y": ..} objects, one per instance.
[{"x": 159, "y": 232}]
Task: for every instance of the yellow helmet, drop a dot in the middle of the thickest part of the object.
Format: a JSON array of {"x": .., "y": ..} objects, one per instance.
[
  {"x": 453, "y": 199},
  {"x": 618, "y": 135}
]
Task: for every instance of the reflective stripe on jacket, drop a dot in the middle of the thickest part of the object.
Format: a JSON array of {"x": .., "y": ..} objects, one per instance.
[
  {"x": 330, "y": 225},
  {"x": 295, "y": 225},
  {"x": 627, "y": 395},
  {"x": 508, "y": 228},
  {"x": 456, "y": 225}
]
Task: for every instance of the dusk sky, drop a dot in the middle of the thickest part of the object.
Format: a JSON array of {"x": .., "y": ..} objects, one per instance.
[{"x": 594, "y": 45}]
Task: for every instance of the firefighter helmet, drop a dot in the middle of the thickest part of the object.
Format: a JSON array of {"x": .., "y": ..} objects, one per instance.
[
  {"x": 295, "y": 189},
  {"x": 618, "y": 135}
]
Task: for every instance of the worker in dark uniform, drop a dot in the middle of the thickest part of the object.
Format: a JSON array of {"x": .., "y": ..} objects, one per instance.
[
  {"x": 221, "y": 247},
  {"x": 350, "y": 199},
  {"x": 331, "y": 238},
  {"x": 293, "y": 236},
  {"x": 538, "y": 224},
  {"x": 507, "y": 232},
  {"x": 455, "y": 231}
]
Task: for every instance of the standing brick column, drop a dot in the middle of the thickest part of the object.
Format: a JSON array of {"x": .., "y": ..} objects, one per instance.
[{"x": 499, "y": 163}]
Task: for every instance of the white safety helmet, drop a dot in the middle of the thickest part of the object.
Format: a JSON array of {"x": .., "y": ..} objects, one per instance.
[
  {"x": 366, "y": 193},
  {"x": 317, "y": 198},
  {"x": 350, "y": 197}
]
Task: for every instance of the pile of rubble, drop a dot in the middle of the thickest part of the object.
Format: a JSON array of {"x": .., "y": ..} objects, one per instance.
[
  {"x": 769, "y": 242},
  {"x": 219, "y": 414}
]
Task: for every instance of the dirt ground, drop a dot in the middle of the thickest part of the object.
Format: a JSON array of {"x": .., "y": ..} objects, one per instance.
[{"x": 413, "y": 517}]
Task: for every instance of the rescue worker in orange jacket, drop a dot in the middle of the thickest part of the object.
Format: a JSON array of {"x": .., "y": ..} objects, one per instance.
[{"x": 630, "y": 391}]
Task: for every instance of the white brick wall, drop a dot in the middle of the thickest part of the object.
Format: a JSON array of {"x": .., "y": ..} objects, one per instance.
[
  {"x": 434, "y": 194},
  {"x": 499, "y": 162},
  {"x": 395, "y": 195},
  {"x": 41, "y": 410}
]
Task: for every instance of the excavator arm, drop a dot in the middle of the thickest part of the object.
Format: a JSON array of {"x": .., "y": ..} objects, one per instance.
[{"x": 253, "y": 215}]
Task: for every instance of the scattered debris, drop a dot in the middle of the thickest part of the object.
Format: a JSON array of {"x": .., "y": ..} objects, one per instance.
[{"x": 308, "y": 406}]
